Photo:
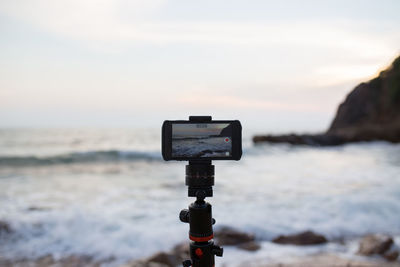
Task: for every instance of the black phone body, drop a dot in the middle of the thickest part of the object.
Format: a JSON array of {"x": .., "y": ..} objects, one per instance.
[{"x": 208, "y": 140}]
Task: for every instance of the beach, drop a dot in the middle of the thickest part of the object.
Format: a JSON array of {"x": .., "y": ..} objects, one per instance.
[{"x": 107, "y": 196}]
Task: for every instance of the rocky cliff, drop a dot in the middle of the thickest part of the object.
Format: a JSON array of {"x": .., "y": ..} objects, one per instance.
[{"x": 371, "y": 111}]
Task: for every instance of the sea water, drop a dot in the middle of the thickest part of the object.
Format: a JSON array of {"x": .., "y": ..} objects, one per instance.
[
  {"x": 107, "y": 193},
  {"x": 201, "y": 147}
]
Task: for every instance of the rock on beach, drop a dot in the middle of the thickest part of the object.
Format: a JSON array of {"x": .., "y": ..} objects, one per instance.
[{"x": 301, "y": 239}]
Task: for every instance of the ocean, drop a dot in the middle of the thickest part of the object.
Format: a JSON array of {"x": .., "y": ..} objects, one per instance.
[
  {"x": 107, "y": 193},
  {"x": 201, "y": 147}
]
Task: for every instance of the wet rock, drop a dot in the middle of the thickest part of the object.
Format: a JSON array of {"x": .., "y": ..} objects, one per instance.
[
  {"x": 375, "y": 244},
  {"x": 304, "y": 139},
  {"x": 167, "y": 259},
  {"x": 173, "y": 258},
  {"x": 301, "y": 239},
  {"x": 77, "y": 261},
  {"x": 5, "y": 228},
  {"x": 230, "y": 236},
  {"x": 34, "y": 208},
  {"x": 391, "y": 255},
  {"x": 45, "y": 261},
  {"x": 250, "y": 246},
  {"x": 144, "y": 264},
  {"x": 181, "y": 251},
  {"x": 324, "y": 260},
  {"x": 164, "y": 259},
  {"x": 49, "y": 261}
]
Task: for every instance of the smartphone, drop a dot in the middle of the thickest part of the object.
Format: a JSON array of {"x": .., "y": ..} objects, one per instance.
[{"x": 211, "y": 140}]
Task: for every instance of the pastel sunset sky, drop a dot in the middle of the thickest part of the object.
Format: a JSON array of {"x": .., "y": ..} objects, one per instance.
[{"x": 275, "y": 65}]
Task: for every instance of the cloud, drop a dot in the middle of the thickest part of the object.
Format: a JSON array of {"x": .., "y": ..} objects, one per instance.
[
  {"x": 207, "y": 100},
  {"x": 132, "y": 22},
  {"x": 261, "y": 64},
  {"x": 101, "y": 20}
]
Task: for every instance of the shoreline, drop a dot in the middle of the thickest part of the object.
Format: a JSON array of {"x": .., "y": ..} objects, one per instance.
[
  {"x": 334, "y": 253},
  {"x": 315, "y": 260}
]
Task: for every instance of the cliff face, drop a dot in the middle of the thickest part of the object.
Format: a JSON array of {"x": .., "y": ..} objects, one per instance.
[
  {"x": 370, "y": 112},
  {"x": 227, "y": 131}
]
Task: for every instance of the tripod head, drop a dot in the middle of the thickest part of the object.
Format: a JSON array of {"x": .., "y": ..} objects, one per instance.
[{"x": 200, "y": 178}]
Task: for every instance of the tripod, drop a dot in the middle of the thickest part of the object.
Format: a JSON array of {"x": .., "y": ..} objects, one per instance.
[{"x": 200, "y": 179}]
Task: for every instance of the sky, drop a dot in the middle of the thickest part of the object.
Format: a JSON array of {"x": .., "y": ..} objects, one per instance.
[
  {"x": 193, "y": 130},
  {"x": 277, "y": 66}
]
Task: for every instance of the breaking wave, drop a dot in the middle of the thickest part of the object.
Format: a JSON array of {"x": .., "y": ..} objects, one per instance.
[{"x": 80, "y": 157}]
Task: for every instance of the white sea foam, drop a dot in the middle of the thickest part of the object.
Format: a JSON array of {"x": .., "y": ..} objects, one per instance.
[{"x": 125, "y": 209}]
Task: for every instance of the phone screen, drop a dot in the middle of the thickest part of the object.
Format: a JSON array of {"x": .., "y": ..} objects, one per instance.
[{"x": 201, "y": 140}]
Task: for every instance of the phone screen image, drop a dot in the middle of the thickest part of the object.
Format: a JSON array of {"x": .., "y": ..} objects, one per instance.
[{"x": 201, "y": 140}]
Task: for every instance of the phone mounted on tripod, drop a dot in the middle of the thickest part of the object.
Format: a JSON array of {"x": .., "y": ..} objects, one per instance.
[{"x": 201, "y": 140}]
